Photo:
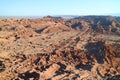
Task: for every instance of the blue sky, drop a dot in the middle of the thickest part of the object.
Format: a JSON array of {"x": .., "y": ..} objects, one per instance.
[{"x": 58, "y": 7}]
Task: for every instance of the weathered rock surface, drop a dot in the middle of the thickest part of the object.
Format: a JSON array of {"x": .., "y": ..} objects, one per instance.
[{"x": 59, "y": 49}]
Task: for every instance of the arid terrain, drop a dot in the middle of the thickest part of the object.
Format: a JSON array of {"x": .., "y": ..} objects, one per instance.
[{"x": 56, "y": 48}]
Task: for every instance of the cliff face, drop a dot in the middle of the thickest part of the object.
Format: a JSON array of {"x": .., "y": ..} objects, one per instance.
[{"x": 57, "y": 48}]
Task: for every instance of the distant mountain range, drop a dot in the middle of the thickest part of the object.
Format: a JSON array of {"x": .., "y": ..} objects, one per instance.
[
  {"x": 73, "y": 16},
  {"x": 101, "y": 24},
  {"x": 116, "y": 14},
  {"x": 64, "y": 16}
]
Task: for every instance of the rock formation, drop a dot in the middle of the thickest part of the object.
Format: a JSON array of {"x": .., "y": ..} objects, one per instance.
[{"x": 83, "y": 48}]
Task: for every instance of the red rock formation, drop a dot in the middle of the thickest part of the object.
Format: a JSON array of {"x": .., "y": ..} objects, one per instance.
[{"x": 52, "y": 48}]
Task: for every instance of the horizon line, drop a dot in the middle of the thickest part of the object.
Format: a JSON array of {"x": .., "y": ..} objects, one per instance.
[{"x": 39, "y": 16}]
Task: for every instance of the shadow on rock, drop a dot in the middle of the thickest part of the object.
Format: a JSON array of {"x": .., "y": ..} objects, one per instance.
[
  {"x": 87, "y": 66},
  {"x": 27, "y": 75},
  {"x": 97, "y": 50},
  {"x": 2, "y": 66}
]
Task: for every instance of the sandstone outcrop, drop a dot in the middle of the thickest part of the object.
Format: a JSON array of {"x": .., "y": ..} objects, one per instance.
[{"x": 55, "y": 48}]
